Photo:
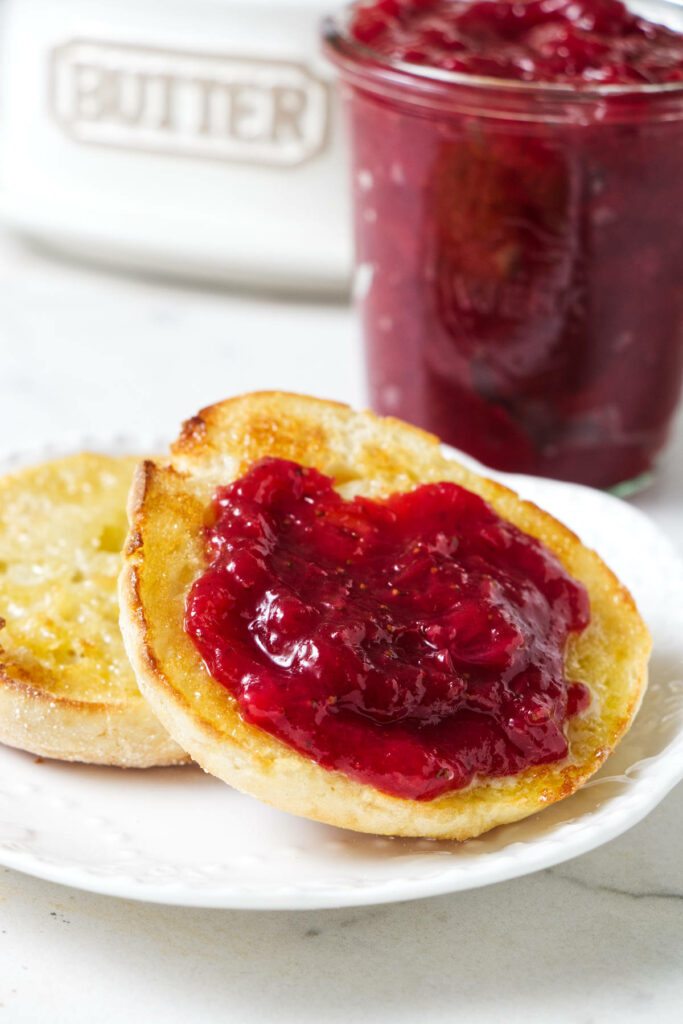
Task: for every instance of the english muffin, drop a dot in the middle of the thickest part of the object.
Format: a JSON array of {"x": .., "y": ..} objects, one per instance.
[
  {"x": 369, "y": 469},
  {"x": 67, "y": 690}
]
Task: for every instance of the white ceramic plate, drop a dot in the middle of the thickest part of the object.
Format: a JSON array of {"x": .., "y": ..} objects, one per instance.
[{"x": 178, "y": 836}]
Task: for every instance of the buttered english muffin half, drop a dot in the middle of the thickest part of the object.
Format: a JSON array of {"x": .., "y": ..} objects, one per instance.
[{"x": 67, "y": 690}]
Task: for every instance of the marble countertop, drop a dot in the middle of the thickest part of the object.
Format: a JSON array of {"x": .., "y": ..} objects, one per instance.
[{"x": 596, "y": 939}]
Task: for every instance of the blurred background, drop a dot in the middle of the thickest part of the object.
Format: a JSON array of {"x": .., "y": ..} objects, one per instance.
[
  {"x": 174, "y": 218},
  {"x": 174, "y": 224},
  {"x": 200, "y": 139}
]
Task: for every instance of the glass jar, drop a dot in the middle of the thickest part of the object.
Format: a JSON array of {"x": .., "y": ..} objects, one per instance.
[{"x": 520, "y": 260}]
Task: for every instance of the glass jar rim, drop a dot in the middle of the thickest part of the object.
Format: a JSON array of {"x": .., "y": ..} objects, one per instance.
[{"x": 349, "y": 52}]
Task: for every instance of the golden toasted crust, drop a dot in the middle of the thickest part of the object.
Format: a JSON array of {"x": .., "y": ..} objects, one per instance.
[
  {"x": 374, "y": 457},
  {"x": 66, "y": 687}
]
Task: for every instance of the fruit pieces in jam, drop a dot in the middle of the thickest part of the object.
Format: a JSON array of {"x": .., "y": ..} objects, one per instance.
[
  {"x": 522, "y": 250},
  {"x": 411, "y": 643},
  {"x": 591, "y": 41}
]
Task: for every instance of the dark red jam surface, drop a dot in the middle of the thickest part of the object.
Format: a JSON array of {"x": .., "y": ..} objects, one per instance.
[
  {"x": 410, "y": 643},
  {"x": 592, "y": 41}
]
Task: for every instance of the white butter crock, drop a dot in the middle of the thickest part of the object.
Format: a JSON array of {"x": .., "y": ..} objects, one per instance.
[{"x": 197, "y": 137}]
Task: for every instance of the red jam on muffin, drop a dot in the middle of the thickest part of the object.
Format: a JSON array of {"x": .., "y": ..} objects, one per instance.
[{"x": 412, "y": 642}]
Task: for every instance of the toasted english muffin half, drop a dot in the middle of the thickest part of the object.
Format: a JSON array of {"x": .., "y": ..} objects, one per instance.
[
  {"x": 67, "y": 690},
  {"x": 374, "y": 457}
]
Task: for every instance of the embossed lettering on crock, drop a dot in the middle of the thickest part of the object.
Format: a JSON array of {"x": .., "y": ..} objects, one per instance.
[{"x": 207, "y": 106}]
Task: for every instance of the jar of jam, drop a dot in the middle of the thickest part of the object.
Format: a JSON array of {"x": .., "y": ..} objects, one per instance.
[{"x": 518, "y": 196}]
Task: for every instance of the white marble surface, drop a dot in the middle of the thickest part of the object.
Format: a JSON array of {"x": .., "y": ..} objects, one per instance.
[{"x": 597, "y": 939}]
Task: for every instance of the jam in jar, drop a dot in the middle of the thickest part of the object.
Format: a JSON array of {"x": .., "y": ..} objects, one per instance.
[{"x": 518, "y": 194}]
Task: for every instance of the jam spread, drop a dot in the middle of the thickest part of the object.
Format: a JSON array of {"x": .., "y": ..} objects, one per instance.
[
  {"x": 592, "y": 41},
  {"x": 521, "y": 248},
  {"x": 411, "y": 643}
]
